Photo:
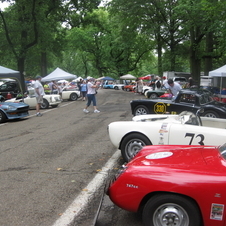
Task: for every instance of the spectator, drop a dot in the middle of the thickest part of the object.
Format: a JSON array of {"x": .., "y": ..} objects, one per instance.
[
  {"x": 152, "y": 82},
  {"x": 165, "y": 82},
  {"x": 174, "y": 87},
  {"x": 91, "y": 95},
  {"x": 54, "y": 88},
  {"x": 158, "y": 83},
  {"x": 139, "y": 85},
  {"x": 83, "y": 90},
  {"x": 39, "y": 93}
]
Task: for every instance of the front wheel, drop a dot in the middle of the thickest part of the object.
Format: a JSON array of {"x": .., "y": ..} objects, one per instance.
[
  {"x": 73, "y": 96},
  {"x": 45, "y": 104},
  {"x": 210, "y": 114},
  {"x": 141, "y": 110},
  {"x": 132, "y": 144},
  {"x": 2, "y": 117},
  {"x": 170, "y": 209},
  {"x": 116, "y": 88}
]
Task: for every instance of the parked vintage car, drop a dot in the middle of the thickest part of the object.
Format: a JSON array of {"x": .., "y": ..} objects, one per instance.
[
  {"x": 119, "y": 86},
  {"x": 183, "y": 129},
  {"x": 186, "y": 100},
  {"x": 155, "y": 93},
  {"x": 9, "y": 111},
  {"x": 69, "y": 93},
  {"x": 130, "y": 87},
  {"x": 52, "y": 100},
  {"x": 174, "y": 185}
]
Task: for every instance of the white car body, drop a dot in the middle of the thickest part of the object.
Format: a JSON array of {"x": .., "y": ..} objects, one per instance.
[
  {"x": 118, "y": 86},
  {"x": 70, "y": 94},
  {"x": 146, "y": 88},
  {"x": 131, "y": 136},
  {"x": 52, "y": 100}
]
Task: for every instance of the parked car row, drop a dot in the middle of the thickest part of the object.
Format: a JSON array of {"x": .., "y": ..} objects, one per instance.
[
  {"x": 175, "y": 160},
  {"x": 176, "y": 169}
]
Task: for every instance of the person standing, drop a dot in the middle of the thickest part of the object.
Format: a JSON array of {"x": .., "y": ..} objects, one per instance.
[
  {"x": 39, "y": 93},
  {"x": 91, "y": 95},
  {"x": 174, "y": 87},
  {"x": 83, "y": 90}
]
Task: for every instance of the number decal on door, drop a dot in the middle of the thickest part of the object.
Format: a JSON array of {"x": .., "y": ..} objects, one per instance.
[{"x": 199, "y": 136}]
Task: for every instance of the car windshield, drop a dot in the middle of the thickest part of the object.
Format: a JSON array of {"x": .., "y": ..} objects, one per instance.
[
  {"x": 188, "y": 118},
  {"x": 205, "y": 98},
  {"x": 222, "y": 150}
]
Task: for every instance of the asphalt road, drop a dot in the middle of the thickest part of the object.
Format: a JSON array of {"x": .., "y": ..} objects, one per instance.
[{"x": 47, "y": 161}]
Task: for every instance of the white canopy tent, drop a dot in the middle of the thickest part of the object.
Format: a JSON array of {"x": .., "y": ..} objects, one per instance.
[
  {"x": 219, "y": 72},
  {"x": 9, "y": 73},
  {"x": 128, "y": 76},
  {"x": 58, "y": 74}
]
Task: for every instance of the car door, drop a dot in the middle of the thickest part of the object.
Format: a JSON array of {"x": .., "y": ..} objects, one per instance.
[{"x": 195, "y": 135}]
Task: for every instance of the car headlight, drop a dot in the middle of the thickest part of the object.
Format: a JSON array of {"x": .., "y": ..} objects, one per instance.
[{"x": 8, "y": 107}]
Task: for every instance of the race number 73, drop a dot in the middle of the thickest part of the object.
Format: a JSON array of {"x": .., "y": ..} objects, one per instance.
[{"x": 199, "y": 136}]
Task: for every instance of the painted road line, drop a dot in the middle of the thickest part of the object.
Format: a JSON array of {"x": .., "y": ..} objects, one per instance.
[{"x": 82, "y": 200}]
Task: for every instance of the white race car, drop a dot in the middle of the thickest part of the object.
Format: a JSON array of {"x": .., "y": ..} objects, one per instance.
[
  {"x": 52, "y": 100},
  {"x": 183, "y": 129},
  {"x": 70, "y": 93}
]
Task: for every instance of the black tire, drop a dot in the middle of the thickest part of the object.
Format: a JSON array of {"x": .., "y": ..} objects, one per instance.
[
  {"x": 153, "y": 95},
  {"x": 73, "y": 96},
  {"x": 132, "y": 144},
  {"x": 2, "y": 117},
  {"x": 45, "y": 104},
  {"x": 141, "y": 110},
  {"x": 210, "y": 114},
  {"x": 116, "y": 88},
  {"x": 171, "y": 209},
  {"x": 128, "y": 90}
]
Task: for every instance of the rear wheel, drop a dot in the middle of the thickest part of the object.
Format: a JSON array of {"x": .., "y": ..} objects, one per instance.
[
  {"x": 116, "y": 88},
  {"x": 45, "y": 104},
  {"x": 141, "y": 110},
  {"x": 153, "y": 95},
  {"x": 210, "y": 114},
  {"x": 132, "y": 144},
  {"x": 2, "y": 117},
  {"x": 73, "y": 96},
  {"x": 170, "y": 209}
]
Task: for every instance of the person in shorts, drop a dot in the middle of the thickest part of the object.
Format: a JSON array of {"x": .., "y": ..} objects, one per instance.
[{"x": 39, "y": 93}]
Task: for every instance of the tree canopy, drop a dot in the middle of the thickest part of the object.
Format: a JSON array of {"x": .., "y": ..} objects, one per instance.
[{"x": 139, "y": 37}]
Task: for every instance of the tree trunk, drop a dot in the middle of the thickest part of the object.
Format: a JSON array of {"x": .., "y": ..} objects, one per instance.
[{"x": 43, "y": 64}]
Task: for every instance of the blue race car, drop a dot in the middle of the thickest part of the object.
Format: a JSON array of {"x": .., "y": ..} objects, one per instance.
[{"x": 9, "y": 111}]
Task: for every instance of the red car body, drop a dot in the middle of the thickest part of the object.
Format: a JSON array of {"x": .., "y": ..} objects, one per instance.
[
  {"x": 197, "y": 174},
  {"x": 130, "y": 87}
]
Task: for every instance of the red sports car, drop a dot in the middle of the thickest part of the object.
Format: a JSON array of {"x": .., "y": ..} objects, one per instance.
[
  {"x": 130, "y": 87},
  {"x": 174, "y": 185}
]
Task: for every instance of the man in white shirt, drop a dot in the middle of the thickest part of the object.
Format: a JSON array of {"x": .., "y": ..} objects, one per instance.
[
  {"x": 174, "y": 87},
  {"x": 39, "y": 93}
]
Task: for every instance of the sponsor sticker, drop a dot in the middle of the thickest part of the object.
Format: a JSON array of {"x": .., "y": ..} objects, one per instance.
[
  {"x": 217, "y": 211},
  {"x": 159, "y": 155}
]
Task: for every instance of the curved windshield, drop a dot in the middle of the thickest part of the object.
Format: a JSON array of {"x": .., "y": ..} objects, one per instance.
[
  {"x": 222, "y": 150},
  {"x": 206, "y": 98}
]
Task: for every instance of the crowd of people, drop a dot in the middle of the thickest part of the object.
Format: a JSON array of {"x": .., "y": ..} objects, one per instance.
[
  {"x": 156, "y": 83},
  {"x": 88, "y": 89}
]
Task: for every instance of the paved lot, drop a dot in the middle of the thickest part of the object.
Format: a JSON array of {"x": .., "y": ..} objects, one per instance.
[{"x": 47, "y": 161}]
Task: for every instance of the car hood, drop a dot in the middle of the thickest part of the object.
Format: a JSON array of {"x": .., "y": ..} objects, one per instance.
[
  {"x": 19, "y": 104},
  {"x": 181, "y": 156}
]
